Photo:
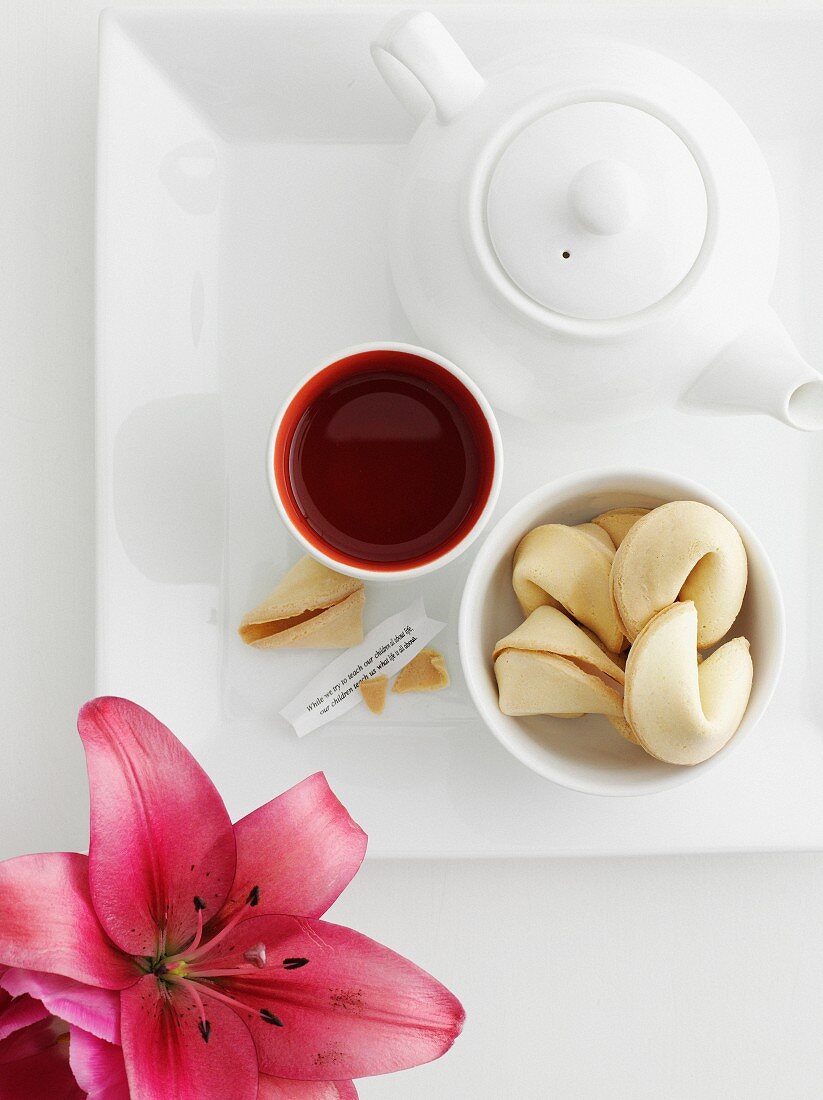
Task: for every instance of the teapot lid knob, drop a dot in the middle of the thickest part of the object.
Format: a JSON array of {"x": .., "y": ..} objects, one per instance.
[
  {"x": 606, "y": 196},
  {"x": 595, "y": 209}
]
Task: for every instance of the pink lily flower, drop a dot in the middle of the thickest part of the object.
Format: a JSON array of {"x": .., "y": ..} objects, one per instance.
[{"x": 197, "y": 943}]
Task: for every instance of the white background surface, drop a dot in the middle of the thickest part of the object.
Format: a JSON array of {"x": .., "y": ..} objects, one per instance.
[{"x": 691, "y": 977}]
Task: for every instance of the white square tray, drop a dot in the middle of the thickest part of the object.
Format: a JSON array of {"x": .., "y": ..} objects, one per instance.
[{"x": 246, "y": 159}]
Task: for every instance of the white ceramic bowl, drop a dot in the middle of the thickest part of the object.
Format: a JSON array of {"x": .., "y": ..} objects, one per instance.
[{"x": 586, "y": 754}]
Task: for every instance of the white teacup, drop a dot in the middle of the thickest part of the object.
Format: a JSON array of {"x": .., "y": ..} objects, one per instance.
[{"x": 368, "y": 423}]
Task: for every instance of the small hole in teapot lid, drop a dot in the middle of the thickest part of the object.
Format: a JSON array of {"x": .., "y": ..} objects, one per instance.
[{"x": 566, "y": 255}]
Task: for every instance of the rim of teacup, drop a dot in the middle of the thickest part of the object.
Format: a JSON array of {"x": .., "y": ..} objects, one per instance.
[
  {"x": 660, "y": 485},
  {"x": 391, "y": 573}
]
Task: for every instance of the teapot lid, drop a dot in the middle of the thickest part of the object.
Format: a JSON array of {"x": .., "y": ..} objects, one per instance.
[{"x": 596, "y": 210}]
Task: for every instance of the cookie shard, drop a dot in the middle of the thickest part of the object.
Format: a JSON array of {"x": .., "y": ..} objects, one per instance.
[
  {"x": 374, "y": 692},
  {"x": 425, "y": 672},
  {"x": 570, "y": 567},
  {"x": 313, "y": 607},
  {"x": 617, "y": 522},
  {"x": 680, "y": 711},
  {"x": 684, "y": 550}
]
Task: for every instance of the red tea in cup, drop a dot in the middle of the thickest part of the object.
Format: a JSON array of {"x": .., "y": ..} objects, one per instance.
[{"x": 384, "y": 460}]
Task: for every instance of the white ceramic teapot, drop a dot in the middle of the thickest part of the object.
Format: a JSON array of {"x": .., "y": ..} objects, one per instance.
[{"x": 592, "y": 234}]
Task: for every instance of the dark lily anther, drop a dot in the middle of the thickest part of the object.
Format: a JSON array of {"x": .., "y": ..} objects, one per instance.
[
  {"x": 204, "y": 1027},
  {"x": 254, "y": 896},
  {"x": 270, "y": 1017},
  {"x": 294, "y": 964},
  {"x": 199, "y": 904}
]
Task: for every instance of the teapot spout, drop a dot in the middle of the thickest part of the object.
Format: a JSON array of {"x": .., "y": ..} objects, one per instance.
[{"x": 761, "y": 371}]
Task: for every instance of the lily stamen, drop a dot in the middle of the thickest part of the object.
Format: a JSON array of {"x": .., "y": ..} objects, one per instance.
[
  {"x": 256, "y": 955},
  {"x": 230, "y": 1001},
  {"x": 228, "y": 973},
  {"x": 200, "y": 906},
  {"x": 195, "y": 950},
  {"x": 203, "y": 1024}
]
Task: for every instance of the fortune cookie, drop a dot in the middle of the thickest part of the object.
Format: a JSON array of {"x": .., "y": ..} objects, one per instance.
[
  {"x": 682, "y": 712},
  {"x": 550, "y": 665},
  {"x": 312, "y": 608},
  {"x": 569, "y": 567},
  {"x": 425, "y": 672},
  {"x": 598, "y": 533},
  {"x": 680, "y": 551},
  {"x": 617, "y": 522},
  {"x": 374, "y": 693}
]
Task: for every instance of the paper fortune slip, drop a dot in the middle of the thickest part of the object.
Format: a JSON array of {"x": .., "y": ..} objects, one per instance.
[{"x": 384, "y": 651}]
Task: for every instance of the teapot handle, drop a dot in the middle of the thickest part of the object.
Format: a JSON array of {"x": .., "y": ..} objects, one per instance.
[{"x": 416, "y": 51}]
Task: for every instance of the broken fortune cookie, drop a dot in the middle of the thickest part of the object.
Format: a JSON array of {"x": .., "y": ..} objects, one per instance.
[
  {"x": 374, "y": 693},
  {"x": 313, "y": 607},
  {"x": 425, "y": 672}
]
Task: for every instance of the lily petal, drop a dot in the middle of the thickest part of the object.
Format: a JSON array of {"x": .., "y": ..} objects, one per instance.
[
  {"x": 278, "y": 1088},
  {"x": 98, "y": 1067},
  {"x": 165, "y": 1051},
  {"x": 44, "y": 1075},
  {"x": 302, "y": 849},
  {"x": 160, "y": 834},
  {"x": 47, "y": 921},
  {"x": 31, "y": 1040},
  {"x": 19, "y": 1012},
  {"x": 94, "y": 1010},
  {"x": 350, "y": 1008}
]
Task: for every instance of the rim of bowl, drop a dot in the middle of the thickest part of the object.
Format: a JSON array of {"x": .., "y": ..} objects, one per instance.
[
  {"x": 362, "y": 572},
  {"x": 559, "y": 492}
]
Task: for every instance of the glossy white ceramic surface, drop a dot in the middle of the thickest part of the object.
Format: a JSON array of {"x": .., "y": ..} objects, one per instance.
[
  {"x": 246, "y": 165},
  {"x": 592, "y": 222},
  {"x": 586, "y": 754},
  {"x": 596, "y": 210}
]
